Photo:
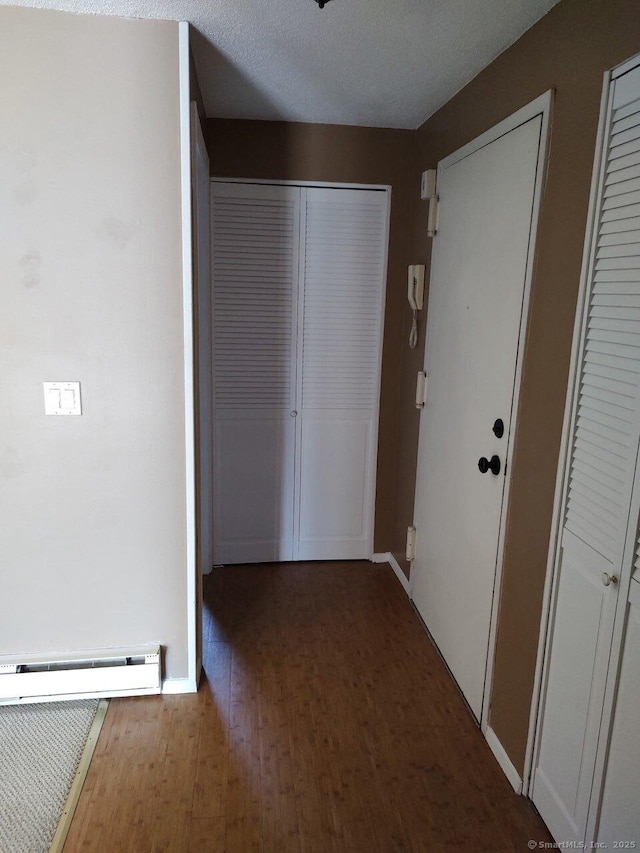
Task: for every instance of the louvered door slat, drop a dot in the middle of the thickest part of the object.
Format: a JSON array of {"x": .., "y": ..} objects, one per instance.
[
  {"x": 631, "y": 236},
  {"x": 623, "y": 137},
  {"x": 626, "y": 110},
  {"x": 631, "y": 159},
  {"x": 622, "y": 180},
  {"x": 623, "y": 199},
  {"x": 610, "y": 455},
  {"x": 619, "y": 251},
  {"x": 625, "y": 261},
  {"x": 610, "y": 402},
  {"x": 254, "y": 280},
  {"x": 630, "y": 119},
  {"x": 603, "y": 454},
  {"x": 623, "y": 227},
  {"x": 607, "y": 512},
  {"x": 622, "y": 212},
  {"x": 342, "y": 302},
  {"x": 592, "y": 517}
]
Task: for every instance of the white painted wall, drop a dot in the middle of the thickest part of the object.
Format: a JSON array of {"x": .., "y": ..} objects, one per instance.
[{"x": 92, "y": 508}]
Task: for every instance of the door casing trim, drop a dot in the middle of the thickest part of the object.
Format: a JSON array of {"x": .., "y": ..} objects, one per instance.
[{"x": 541, "y": 106}]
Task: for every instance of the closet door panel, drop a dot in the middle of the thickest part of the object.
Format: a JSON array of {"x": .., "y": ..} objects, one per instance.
[
  {"x": 255, "y": 275},
  {"x": 256, "y": 472},
  {"x": 577, "y": 674},
  {"x": 620, "y": 816},
  {"x": 344, "y": 239},
  {"x": 336, "y": 450},
  {"x": 604, "y": 434}
]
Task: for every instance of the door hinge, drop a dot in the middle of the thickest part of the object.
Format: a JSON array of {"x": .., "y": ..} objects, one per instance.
[
  {"x": 434, "y": 216},
  {"x": 421, "y": 389},
  {"x": 410, "y": 553},
  {"x": 428, "y": 190}
]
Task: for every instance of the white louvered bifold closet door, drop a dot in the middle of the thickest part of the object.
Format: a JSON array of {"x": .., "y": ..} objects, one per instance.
[
  {"x": 255, "y": 281},
  {"x": 340, "y": 328},
  {"x": 299, "y": 280},
  {"x": 600, "y": 468}
]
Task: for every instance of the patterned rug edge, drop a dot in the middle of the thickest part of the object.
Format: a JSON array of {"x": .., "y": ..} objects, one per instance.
[{"x": 68, "y": 811}]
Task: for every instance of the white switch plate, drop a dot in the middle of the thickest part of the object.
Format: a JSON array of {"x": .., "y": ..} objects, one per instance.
[{"x": 62, "y": 398}]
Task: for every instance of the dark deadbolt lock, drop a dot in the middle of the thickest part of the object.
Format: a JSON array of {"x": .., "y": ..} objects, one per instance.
[
  {"x": 498, "y": 428},
  {"x": 492, "y": 465}
]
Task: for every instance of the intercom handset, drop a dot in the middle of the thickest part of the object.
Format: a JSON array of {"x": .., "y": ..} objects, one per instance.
[
  {"x": 415, "y": 295},
  {"x": 415, "y": 288}
]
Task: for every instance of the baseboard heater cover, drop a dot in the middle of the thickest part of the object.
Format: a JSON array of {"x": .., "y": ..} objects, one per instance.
[{"x": 103, "y": 672}]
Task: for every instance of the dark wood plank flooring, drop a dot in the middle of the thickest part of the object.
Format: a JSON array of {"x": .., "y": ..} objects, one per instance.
[{"x": 326, "y": 723}]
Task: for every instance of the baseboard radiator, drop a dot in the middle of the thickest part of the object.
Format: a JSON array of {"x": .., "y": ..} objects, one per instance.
[{"x": 80, "y": 675}]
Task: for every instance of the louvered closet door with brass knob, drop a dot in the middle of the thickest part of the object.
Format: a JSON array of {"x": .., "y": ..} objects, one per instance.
[
  {"x": 603, "y": 438},
  {"x": 299, "y": 281}
]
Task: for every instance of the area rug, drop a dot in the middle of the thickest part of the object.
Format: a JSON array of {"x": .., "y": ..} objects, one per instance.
[{"x": 43, "y": 749}]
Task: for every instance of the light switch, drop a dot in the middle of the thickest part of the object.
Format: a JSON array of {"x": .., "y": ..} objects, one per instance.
[{"x": 62, "y": 398}]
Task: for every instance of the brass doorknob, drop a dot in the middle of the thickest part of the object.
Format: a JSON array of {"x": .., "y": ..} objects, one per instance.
[{"x": 607, "y": 579}]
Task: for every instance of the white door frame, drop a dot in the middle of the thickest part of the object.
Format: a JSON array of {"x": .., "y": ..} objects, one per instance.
[
  {"x": 321, "y": 184},
  {"x": 202, "y": 341},
  {"x": 540, "y": 106},
  {"x": 189, "y": 684},
  {"x": 205, "y": 555},
  {"x": 385, "y": 188},
  {"x": 551, "y": 578}
]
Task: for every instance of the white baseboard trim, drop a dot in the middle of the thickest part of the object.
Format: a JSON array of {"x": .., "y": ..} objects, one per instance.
[
  {"x": 503, "y": 760},
  {"x": 404, "y": 580},
  {"x": 179, "y": 685},
  {"x": 382, "y": 557},
  {"x": 387, "y": 557}
]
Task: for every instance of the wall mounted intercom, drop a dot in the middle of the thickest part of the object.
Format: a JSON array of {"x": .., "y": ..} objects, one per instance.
[
  {"x": 415, "y": 292},
  {"x": 415, "y": 295}
]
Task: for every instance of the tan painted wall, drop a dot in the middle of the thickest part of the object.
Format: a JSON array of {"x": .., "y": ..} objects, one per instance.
[
  {"x": 93, "y": 542},
  {"x": 568, "y": 51},
  {"x": 335, "y": 153}
]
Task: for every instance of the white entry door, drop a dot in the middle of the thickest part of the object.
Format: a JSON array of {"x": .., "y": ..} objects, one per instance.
[{"x": 479, "y": 267}]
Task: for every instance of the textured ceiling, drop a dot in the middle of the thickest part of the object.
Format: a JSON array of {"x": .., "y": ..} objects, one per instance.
[{"x": 388, "y": 63}]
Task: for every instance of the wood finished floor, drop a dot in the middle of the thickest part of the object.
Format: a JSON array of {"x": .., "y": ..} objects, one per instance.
[{"x": 326, "y": 724}]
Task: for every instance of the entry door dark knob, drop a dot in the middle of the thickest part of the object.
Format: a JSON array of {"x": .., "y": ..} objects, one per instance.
[{"x": 492, "y": 465}]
